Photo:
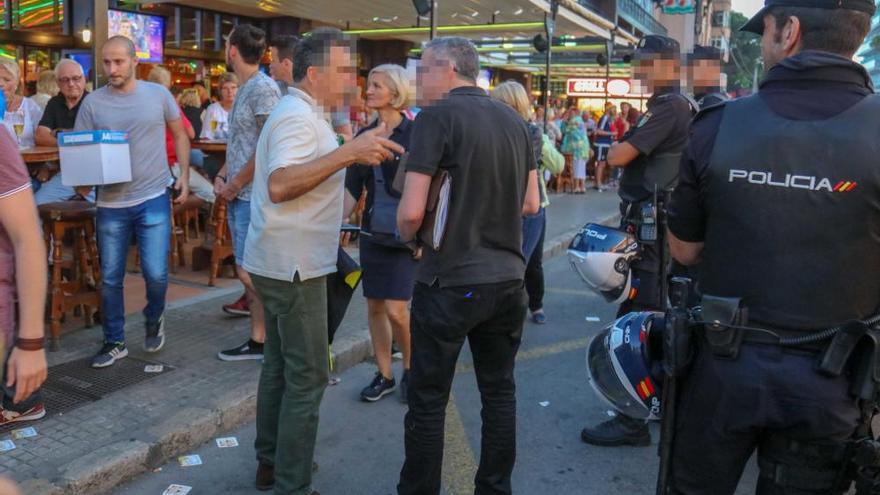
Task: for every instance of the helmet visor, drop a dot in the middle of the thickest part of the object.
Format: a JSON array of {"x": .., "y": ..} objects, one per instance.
[{"x": 605, "y": 376}]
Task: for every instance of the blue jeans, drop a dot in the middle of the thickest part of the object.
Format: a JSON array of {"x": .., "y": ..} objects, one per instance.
[
  {"x": 53, "y": 190},
  {"x": 150, "y": 224},
  {"x": 533, "y": 226},
  {"x": 238, "y": 216}
]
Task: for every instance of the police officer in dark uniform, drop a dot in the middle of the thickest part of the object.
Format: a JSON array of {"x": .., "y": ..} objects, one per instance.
[
  {"x": 704, "y": 76},
  {"x": 778, "y": 200},
  {"x": 650, "y": 155}
]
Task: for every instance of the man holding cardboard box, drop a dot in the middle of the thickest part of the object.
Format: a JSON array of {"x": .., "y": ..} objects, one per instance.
[{"x": 140, "y": 207}]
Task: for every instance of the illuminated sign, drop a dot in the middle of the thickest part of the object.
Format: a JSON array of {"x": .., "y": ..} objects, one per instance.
[{"x": 597, "y": 86}]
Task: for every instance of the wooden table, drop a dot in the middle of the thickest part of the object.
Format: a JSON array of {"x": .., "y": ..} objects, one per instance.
[
  {"x": 221, "y": 248},
  {"x": 39, "y": 154},
  {"x": 210, "y": 146}
]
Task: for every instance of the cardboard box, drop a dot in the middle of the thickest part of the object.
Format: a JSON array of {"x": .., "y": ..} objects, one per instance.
[{"x": 94, "y": 158}]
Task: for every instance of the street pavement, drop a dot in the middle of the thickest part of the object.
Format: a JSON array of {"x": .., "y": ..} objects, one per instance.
[
  {"x": 360, "y": 445},
  {"x": 127, "y": 421}
]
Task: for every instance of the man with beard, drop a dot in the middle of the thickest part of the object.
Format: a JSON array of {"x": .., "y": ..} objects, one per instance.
[
  {"x": 142, "y": 207},
  {"x": 257, "y": 96}
]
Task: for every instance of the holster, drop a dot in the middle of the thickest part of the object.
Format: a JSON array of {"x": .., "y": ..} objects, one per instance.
[
  {"x": 678, "y": 345},
  {"x": 722, "y": 316}
]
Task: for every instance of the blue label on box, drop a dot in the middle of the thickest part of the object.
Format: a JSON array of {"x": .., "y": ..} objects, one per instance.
[{"x": 92, "y": 137}]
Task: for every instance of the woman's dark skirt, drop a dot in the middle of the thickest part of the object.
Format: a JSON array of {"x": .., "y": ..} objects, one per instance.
[{"x": 389, "y": 272}]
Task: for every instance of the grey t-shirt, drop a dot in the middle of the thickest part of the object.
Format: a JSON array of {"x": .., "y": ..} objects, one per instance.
[
  {"x": 258, "y": 96},
  {"x": 142, "y": 114}
]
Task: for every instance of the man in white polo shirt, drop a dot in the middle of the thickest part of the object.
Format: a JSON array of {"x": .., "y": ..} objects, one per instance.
[{"x": 296, "y": 213}]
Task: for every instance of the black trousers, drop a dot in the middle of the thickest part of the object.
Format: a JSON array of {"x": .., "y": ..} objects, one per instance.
[
  {"x": 769, "y": 399},
  {"x": 491, "y": 318},
  {"x": 535, "y": 273}
]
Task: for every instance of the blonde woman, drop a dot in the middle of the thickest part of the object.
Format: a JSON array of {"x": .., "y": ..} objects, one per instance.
[
  {"x": 22, "y": 114},
  {"x": 192, "y": 108},
  {"x": 389, "y": 268},
  {"x": 47, "y": 87},
  {"x": 215, "y": 124},
  {"x": 534, "y": 226}
]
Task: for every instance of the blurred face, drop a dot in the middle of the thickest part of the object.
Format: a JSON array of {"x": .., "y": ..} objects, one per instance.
[
  {"x": 434, "y": 78},
  {"x": 71, "y": 82},
  {"x": 705, "y": 73},
  {"x": 624, "y": 108},
  {"x": 379, "y": 92},
  {"x": 653, "y": 72},
  {"x": 119, "y": 66},
  {"x": 227, "y": 93},
  {"x": 333, "y": 85},
  {"x": 8, "y": 83},
  {"x": 203, "y": 93}
]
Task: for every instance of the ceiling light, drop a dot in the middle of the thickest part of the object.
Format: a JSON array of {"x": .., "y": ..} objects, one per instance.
[
  {"x": 475, "y": 14},
  {"x": 87, "y": 32},
  {"x": 518, "y": 11}
]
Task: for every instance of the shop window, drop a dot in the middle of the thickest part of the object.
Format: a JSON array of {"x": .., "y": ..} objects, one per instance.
[
  {"x": 189, "y": 39},
  {"x": 36, "y": 61},
  {"x": 227, "y": 22},
  {"x": 209, "y": 28},
  {"x": 721, "y": 18},
  {"x": 9, "y": 52},
  {"x": 45, "y": 15}
]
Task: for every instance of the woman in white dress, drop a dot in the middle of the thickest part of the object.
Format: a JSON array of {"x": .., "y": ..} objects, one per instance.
[
  {"x": 22, "y": 114},
  {"x": 215, "y": 124}
]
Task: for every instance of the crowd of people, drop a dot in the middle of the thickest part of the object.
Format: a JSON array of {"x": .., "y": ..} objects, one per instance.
[
  {"x": 294, "y": 170},
  {"x": 587, "y": 136},
  {"x": 293, "y": 174}
]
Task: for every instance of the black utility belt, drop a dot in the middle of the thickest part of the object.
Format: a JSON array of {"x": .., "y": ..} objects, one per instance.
[{"x": 853, "y": 347}]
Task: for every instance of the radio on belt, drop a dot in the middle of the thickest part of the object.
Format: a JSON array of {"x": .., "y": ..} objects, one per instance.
[{"x": 648, "y": 223}]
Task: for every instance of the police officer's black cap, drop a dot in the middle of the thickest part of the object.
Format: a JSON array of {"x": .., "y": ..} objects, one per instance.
[
  {"x": 655, "y": 45},
  {"x": 705, "y": 53},
  {"x": 756, "y": 23}
]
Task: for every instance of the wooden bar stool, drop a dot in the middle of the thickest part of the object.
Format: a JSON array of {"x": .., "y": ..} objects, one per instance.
[
  {"x": 222, "y": 244},
  {"x": 81, "y": 289}
]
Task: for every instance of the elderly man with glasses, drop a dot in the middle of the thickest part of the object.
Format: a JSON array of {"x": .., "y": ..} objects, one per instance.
[{"x": 60, "y": 116}]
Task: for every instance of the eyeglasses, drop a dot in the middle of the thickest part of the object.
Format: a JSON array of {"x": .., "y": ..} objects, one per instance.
[{"x": 68, "y": 80}]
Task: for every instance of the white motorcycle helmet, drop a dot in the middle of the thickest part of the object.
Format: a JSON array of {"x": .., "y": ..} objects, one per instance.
[{"x": 602, "y": 256}]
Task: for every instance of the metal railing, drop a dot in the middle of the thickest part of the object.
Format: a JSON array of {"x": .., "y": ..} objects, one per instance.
[{"x": 634, "y": 12}]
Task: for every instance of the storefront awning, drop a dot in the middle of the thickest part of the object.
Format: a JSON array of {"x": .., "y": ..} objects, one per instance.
[{"x": 395, "y": 19}]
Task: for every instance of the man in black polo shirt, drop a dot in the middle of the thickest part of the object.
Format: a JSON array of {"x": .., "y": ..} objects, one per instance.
[
  {"x": 59, "y": 116},
  {"x": 472, "y": 287}
]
